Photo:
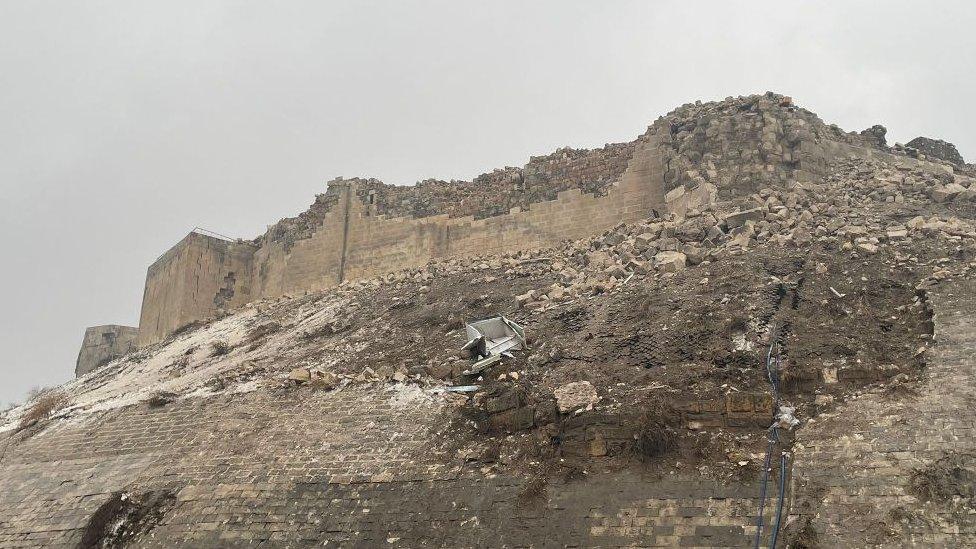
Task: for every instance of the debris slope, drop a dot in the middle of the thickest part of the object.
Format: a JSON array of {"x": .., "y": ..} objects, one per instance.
[{"x": 637, "y": 414}]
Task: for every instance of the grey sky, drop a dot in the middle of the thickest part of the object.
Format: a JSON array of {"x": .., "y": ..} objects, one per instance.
[{"x": 124, "y": 124}]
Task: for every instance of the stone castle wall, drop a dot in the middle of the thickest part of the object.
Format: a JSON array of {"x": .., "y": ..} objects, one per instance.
[
  {"x": 699, "y": 153},
  {"x": 103, "y": 344},
  {"x": 351, "y": 240},
  {"x": 192, "y": 280}
]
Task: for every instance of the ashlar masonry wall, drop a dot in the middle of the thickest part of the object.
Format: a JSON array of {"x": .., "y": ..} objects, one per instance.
[
  {"x": 378, "y": 245},
  {"x": 202, "y": 274},
  {"x": 104, "y": 343},
  {"x": 191, "y": 281},
  {"x": 697, "y": 154}
]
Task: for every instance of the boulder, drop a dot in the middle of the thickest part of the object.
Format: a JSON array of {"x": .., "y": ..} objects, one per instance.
[
  {"x": 323, "y": 380},
  {"x": 968, "y": 195},
  {"x": 670, "y": 262},
  {"x": 867, "y": 247},
  {"x": 739, "y": 219},
  {"x": 897, "y": 233},
  {"x": 574, "y": 396},
  {"x": 945, "y": 193},
  {"x": 300, "y": 375}
]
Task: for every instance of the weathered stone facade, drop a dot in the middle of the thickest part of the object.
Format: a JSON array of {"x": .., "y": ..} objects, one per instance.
[
  {"x": 358, "y": 228},
  {"x": 339, "y": 418},
  {"x": 103, "y": 344},
  {"x": 345, "y": 237},
  {"x": 193, "y": 280}
]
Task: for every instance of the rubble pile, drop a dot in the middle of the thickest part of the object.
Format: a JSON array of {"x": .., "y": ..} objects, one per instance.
[
  {"x": 648, "y": 348},
  {"x": 497, "y": 192},
  {"x": 841, "y": 212},
  {"x": 935, "y": 148},
  {"x": 489, "y": 194},
  {"x": 739, "y": 145}
]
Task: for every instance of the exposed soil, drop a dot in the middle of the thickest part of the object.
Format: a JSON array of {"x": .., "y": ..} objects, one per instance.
[{"x": 123, "y": 517}]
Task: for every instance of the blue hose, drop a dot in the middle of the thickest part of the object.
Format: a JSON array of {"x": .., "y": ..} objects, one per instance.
[
  {"x": 773, "y": 375},
  {"x": 782, "y": 494}
]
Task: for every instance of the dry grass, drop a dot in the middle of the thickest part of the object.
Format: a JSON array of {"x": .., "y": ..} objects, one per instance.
[
  {"x": 534, "y": 493},
  {"x": 325, "y": 330},
  {"x": 160, "y": 398},
  {"x": 45, "y": 404},
  {"x": 952, "y": 475},
  {"x": 186, "y": 328},
  {"x": 257, "y": 336}
]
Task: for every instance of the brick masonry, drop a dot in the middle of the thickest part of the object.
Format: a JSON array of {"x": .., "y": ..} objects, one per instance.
[
  {"x": 699, "y": 153},
  {"x": 351, "y": 243},
  {"x": 360, "y": 467},
  {"x": 854, "y": 467}
]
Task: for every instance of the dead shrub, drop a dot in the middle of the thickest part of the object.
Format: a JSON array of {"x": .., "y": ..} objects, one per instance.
[
  {"x": 45, "y": 404},
  {"x": 901, "y": 387},
  {"x": 186, "y": 328},
  {"x": 325, "y": 330},
  {"x": 573, "y": 473},
  {"x": 180, "y": 363},
  {"x": 792, "y": 380},
  {"x": 219, "y": 348},
  {"x": 428, "y": 318},
  {"x": 952, "y": 475},
  {"x": 263, "y": 330},
  {"x": 160, "y": 398},
  {"x": 738, "y": 325},
  {"x": 534, "y": 492},
  {"x": 124, "y": 517},
  {"x": 801, "y": 535},
  {"x": 656, "y": 430},
  {"x": 454, "y": 322}
]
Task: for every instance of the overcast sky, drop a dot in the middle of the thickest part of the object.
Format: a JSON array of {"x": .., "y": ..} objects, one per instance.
[{"x": 125, "y": 124}]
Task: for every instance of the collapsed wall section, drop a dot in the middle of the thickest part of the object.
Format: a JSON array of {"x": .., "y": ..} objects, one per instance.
[
  {"x": 354, "y": 241},
  {"x": 697, "y": 154},
  {"x": 499, "y": 191},
  {"x": 199, "y": 276}
]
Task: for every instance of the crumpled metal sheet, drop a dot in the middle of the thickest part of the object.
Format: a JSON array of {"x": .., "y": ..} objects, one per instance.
[{"x": 498, "y": 333}]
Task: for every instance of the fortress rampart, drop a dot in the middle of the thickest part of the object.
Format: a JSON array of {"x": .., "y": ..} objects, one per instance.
[{"x": 360, "y": 228}]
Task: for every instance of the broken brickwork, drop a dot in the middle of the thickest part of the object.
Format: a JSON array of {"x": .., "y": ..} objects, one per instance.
[
  {"x": 870, "y": 472},
  {"x": 634, "y": 417}
]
